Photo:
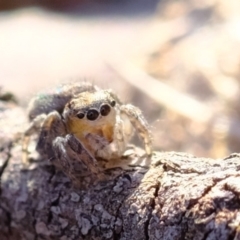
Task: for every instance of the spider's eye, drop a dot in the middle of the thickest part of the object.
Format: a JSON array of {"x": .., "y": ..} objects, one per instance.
[
  {"x": 113, "y": 103},
  {"x": 105, "y": 110},
  {"x": 80, "y": 115},
  {"x": 92, "y": 114}
]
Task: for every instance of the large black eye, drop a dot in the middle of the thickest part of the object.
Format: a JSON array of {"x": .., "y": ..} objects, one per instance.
[
  {"x": 92, "y": 114},
  {"x": 105, "y": 110},
  {"x": 80, "y": 115},
  {"x": 113, "y": 103}
]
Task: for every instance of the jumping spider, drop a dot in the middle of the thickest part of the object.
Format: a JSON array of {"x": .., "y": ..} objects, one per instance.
[{"x": 79, "y": 123}]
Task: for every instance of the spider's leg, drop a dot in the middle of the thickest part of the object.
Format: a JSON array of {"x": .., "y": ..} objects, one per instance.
[
  {"x": 34, "y": 127},
  {"x": 52, "y": 127},
  {"x": 121, "y": 135},
  {"x": 75, "y": 161},
  {"x": 137, "y": 119}
]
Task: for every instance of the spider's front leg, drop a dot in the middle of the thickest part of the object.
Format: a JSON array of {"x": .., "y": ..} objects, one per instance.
[
  {"x": 135, "y": 116},
  {"x": 52, "y": 127},
  {"x": 34, "y": 127},
  {"x": 76, "y": 161},
  {"x": 48, "y": 126}
]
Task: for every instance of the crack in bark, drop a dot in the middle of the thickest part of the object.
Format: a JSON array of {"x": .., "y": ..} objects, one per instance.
[
  {"x": 54, "y": 203},
  {"x": 5, "y": 164},
  {"x": 233, "y": 236},
  {"x": 205, "y": 236},
  {"x": 116, "y": 236},
  {"x": 192, "y": 203},
  {"x": 8, "y": 219},
  {"x": 229, "y": 188},
  {"x": 53, "y": 173},
  {"x": 152, "y": 206},
  {"x": 232, "y": 155},
  {"x": 209, "y": 188},
  {"x": 196, "y": 201},
  {"x": 9, "y": 147}
]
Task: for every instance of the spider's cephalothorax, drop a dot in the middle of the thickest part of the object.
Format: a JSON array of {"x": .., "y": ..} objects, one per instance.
[{"x": 79, "y": 123}]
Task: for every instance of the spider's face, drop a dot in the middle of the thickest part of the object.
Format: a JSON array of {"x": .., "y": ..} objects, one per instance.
[{"x": 91, "y": 112}]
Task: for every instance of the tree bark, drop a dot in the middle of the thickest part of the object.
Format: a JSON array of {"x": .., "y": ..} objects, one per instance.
[{"x": 171, "y": 196}]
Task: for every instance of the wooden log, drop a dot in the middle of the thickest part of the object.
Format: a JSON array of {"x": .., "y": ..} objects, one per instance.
[{"x": 172, "y": 196}]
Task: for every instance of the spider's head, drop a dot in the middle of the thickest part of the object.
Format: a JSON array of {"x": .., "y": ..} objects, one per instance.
[{"x": 91, "y": 112}]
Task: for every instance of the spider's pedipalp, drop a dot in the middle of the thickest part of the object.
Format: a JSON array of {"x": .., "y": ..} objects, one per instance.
[{"x": 99, "y": 145}]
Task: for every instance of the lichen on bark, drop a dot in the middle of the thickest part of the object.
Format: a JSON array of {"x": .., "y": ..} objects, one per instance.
[{"x": 173, "y": 196}]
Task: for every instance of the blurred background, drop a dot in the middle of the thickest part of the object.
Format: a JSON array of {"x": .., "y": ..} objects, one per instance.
[{"x": 178, "y": 60}]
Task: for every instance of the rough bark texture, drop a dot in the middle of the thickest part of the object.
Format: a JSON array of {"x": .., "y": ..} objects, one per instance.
[{"x": 176, "y": 196}]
